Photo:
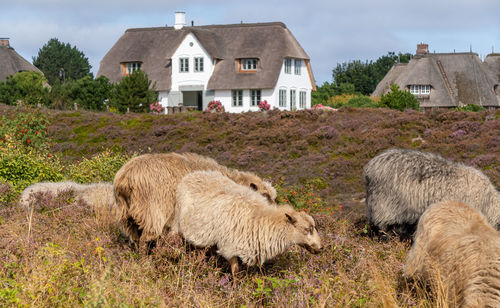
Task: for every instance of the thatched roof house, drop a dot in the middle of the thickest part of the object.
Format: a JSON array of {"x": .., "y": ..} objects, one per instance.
[
  {"x": 446, "y": 80},
  {"x": 241, "y": 57},
  {"x": 11, "y": 62}
]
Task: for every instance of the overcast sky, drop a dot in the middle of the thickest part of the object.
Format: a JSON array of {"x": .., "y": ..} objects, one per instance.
[{"x": 331, "y": 32}]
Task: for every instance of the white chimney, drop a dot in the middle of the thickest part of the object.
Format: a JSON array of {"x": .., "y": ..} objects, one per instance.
[{"x": 180, "y": 20}]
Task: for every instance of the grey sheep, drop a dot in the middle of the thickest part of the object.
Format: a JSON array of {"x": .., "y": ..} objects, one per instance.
[
  {"x": 213, "y": 210},
  {"x": 401, "y": 184},
  {"x": 456, "y": 250}
]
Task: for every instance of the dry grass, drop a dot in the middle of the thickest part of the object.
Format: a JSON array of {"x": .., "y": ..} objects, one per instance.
[{"x": 63, "y": 253}]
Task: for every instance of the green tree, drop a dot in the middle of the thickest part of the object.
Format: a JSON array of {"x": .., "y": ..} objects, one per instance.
[
  {"x": 29, "y": 87},
  {"x": 398, "y": 99},
  {"x": 361, "y": 102},
  {"x": 90, "y": 93},
  {"x": 134, "y": 92},
  {"x": 60, "y": 62},
  {"x": 366, "y": 75}
]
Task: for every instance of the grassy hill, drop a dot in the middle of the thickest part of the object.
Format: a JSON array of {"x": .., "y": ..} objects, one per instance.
[{"x": 66, "y": 253}]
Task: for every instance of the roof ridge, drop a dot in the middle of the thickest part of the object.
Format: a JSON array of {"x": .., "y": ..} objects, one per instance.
[{"x": 241, "y": 25}]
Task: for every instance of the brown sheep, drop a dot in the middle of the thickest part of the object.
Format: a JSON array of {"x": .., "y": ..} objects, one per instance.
[
  {"x": 456, "y": 246},
  {"x": 145, "y": 190},
  {"x": 213, "y": 210}
]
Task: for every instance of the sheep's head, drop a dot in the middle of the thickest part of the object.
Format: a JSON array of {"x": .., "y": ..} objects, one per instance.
[
  {"x": 254, "y": 182},
  {"x": 304, "y": 232}
]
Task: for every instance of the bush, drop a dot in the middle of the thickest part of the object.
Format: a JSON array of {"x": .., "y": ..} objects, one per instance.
[
  {"x": 28, "y": 130},
  {"x": 398, "y": 99},
  {"x": 157, "y": 108},
  {"x": 100, "y": 168},
  {"x": 133, "y": 92},
  {"x": 25, "y": 87},
  {"x": 361, "y": 102},
  {"x": 471, "y": 108},
  {"x": 215, "y": 106},
  {"x": 21, "y": 169}
]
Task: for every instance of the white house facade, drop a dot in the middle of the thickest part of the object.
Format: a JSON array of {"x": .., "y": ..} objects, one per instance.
[{"x": 239, "y": 65}]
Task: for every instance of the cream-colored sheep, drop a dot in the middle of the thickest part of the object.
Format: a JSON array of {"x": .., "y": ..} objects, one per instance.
[
  {"x": 145, "y": 190},
  {"x": 213, "y": 210},
  {"x": 455, "y": 247}
]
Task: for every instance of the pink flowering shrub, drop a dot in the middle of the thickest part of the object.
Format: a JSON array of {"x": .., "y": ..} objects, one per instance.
[
  {"x": 264, "y": 105},
  {"x": 215, "y": 106},
  {"x": 156, "y": 108}
]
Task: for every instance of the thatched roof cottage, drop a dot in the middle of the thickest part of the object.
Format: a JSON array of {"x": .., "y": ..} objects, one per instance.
[
  {"x": 238, "y": 64},
  {"x": 447, "y": 80},
  {"x": 11, "y": 62}
]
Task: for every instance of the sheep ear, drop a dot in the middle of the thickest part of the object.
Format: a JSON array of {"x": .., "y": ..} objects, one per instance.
[
  {"x": 291, "y": 219},
  {"x": 253, "y": 186}
]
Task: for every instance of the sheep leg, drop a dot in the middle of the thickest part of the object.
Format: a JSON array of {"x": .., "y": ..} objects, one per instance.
[{"x": 234, "y": 266}]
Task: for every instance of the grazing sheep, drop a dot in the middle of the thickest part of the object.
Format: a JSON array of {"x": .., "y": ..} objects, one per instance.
[
  {"x": 213, "y": 210},
  {"x": 456, "y": 249},
  {"x": 99, "y": 195},
  {"x": 145, "y": 190},
  {"x": 401, "y": 184}
]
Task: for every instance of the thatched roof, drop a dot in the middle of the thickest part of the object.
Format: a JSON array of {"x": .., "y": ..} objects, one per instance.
[
  {"x": 470, "y": 80},
  {"x": 154, "y": 47},
  {"x": 11, "y": 63}
]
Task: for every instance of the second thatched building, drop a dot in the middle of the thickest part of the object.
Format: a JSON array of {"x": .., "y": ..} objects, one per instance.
[{"x": 447, "y": 80}]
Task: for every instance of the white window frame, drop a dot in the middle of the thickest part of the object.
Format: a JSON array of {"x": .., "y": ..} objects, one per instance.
[
  {"x": 183, "y": 65},
  {"x": 198, "y": 64},
  {"x": 302, "y": 99},
  {"x": 133, "y": 66},
  {"x": 249, "y": 64},
  {"x": 288, "y": 66},
  {"x": 420, "y": 89},
  {"x": 255, "y": 97},
  {"x": 282, "y": 97},
  {"x": 298, "y": 66},
  {"x": 293, "y": 99},
  {"x": 237, "y": 98}
]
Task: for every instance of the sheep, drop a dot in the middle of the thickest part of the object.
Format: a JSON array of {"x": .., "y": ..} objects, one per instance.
[
  {"x": 145, "y": 190},
  {"x": 212, "y": 210},
  {"x": 99, "y": 195},
  {"x": 401, "y": 184},
  {"x": 457, "y": 250}
]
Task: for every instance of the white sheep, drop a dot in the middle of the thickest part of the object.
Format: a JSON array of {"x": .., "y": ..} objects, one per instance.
[{"x": 213, "y": 210}]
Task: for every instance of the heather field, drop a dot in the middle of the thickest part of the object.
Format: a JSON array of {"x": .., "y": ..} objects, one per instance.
[{"x": 68, "y": 253}]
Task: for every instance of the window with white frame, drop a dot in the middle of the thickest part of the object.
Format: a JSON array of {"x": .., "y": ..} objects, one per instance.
[
  {"x": 298, "y": 66},
  {"x": 282, "y": 98},
  {"x": 255, "y": 96},
  {"x": 198, "y": 64},
  {"x": 237, "y": 98},
  {"x": 420, "y": 89},
  {"x": 132, "y": 67},
  {"x": 288, "y": 66},
  {"x": 302, "y": 99},
  {"x": 183, "y": 65},
  {"x": 249, "y": 64},
  {"x": 293, "y": 99}
]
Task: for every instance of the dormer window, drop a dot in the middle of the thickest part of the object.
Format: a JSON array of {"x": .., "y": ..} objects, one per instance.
[
  {"x": 249, "y": 64},
  {"x": 418, "y": 89},
  {"x": 130, "y": 67}
]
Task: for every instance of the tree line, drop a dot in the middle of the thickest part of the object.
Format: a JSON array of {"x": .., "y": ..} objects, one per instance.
[{"x": 67, "y": 80}]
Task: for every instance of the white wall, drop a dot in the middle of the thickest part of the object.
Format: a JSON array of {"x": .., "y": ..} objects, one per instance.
[
  {"x": 226, "y": 98},
  {"x": 287, "y": 82},
  {"x": 191, "y": 78}
]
